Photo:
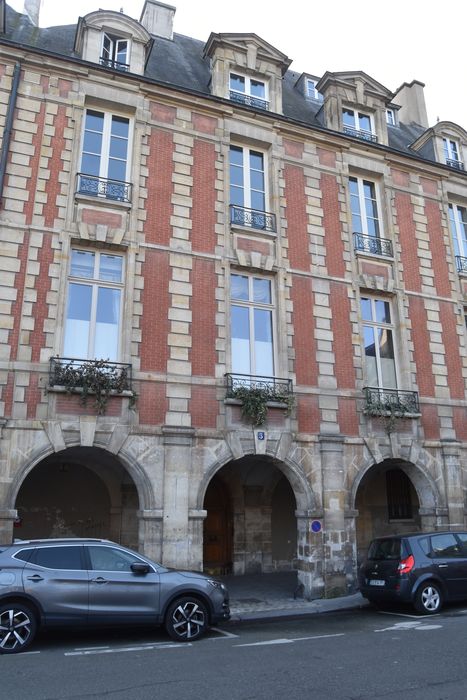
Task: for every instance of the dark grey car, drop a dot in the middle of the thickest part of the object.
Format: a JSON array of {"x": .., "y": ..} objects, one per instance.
[
  {"x": 425, "y": 569},
  {"x": 70, "y": 582}
]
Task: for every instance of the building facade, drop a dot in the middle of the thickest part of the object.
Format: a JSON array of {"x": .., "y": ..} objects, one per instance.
[{"x": 191, "y": 231}]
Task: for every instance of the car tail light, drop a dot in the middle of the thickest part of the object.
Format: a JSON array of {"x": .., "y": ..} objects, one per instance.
[{"x": 406, "y": 565}]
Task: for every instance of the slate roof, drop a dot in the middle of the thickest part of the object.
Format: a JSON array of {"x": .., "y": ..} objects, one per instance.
[{"x": 180, "y": 63}]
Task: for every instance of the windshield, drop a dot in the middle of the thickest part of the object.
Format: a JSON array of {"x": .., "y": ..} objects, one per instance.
[{"x": 391, "y": 548}]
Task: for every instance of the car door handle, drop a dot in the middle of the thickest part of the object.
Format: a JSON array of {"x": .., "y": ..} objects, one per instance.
[
  {"x": 99, "y": 579},
  {"x": 442, "y": 566},
  {"x": 36, "y": 577}
]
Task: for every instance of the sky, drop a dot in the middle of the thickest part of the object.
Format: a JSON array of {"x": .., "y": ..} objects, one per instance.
[{"x": 393, "y": 42}]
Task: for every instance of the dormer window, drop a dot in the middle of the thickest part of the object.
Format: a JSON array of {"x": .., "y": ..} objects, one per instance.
[
  {"x": 358, "y": 124},
  {"x": 390, "y": 117},
  {"x": 311, "y": 91},
  {"x": 451, "y": 154},
  {"x": 115, "y": 52},
  {"x": 248, "y": 91}
]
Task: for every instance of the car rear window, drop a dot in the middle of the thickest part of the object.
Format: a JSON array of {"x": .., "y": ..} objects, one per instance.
[{"x": 390, "y": 548}]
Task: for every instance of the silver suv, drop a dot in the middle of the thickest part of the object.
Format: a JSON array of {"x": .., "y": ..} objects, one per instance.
[{"x": 70, "y": 582}]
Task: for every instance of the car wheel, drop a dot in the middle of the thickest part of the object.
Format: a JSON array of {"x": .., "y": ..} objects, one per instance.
[
  {"x": 18, "y": 628},
  {"x": 186, "y": 619},
  {"x": 428, "y": 598}
]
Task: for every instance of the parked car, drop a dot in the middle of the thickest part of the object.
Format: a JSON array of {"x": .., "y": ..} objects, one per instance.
[
  {"x": 70, "y": 582},
  {"x": 425, "y": 569}
]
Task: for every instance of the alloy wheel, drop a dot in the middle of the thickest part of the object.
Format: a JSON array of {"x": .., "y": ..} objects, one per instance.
[{"x": 17, "y": 628}]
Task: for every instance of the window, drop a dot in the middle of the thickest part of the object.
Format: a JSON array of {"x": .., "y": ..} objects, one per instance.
[
  {"x": 390, "y": 117},
  {"x": 357, "y": 124},
  {"x": 104, "y": 159},
  {"x": 458, "y": 225},
  {"x": 364, "y": 207},
  {"x": 311, "y": 91},
  {"x": 115, "y": 52},
  {"x": 445, "y": 545},
  {"x": 248, "y": 189},
  {"x": 111, "y": 559},
  {"x": 451, "y": 154},
  {"x": 378, "y": 342},
  {"x": 398, "y": 492},
  {"x": 93, "y": 317},
  {"x": 252, "y": 326},
  {"x": 248, "y": 91},
  {"x": 63, "y": 558}
]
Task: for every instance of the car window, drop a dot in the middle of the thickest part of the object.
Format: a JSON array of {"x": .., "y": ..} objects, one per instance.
[
  {"x": 390, "y": 548},
  {"x": 23, "y": 554},
  {"x": 445, "y": 546},
  {"x": 59, "y": 557},
  {"x": 111, "y": 559},
  {"x": 462, "y": 536}
]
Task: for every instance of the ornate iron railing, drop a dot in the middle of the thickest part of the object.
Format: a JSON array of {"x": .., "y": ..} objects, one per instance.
[
  {"x": 461, "y": 264},
  {"x": 103, "y": 187},
  {"x": 253, "y": 218},
  {"x": 360, "y": 133},
  {"x": 249, "y": 100},
  {"x": 457, "y": 164},
  {"x": 116, "y": 65},
  {"x": 391, "y": 400},
  {"x": 373, "y": 245},
  {"x": 73, "y": 373},
  {"x": 278, "y": 389}
]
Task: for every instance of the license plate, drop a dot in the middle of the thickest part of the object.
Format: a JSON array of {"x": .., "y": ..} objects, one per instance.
[{"x": 376, "y": 582}]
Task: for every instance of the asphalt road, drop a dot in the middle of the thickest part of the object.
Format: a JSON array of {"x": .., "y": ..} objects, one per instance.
[{"x": 359, "y": 655}]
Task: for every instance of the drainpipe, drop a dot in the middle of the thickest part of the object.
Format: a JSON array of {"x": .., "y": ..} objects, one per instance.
[{"x": 9, "y": 125}]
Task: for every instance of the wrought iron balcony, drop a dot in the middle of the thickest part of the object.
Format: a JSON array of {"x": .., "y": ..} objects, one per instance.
[
  {"x": 249, "y": 100},
  {"x": 242, "y": 216},
  {"x": 116, "y": 65},
  {"x": 277, "y": 389},
  {"x": 457, "y": 164},
  {"x": 373, "y": 245},
  {"x": 461, "y": 264},
  {"x": 73, "y": 373},
  {"x": 360, "y": 134},
  {"x": 391, "y": 400},
  {"x": 104, "y": 187}
]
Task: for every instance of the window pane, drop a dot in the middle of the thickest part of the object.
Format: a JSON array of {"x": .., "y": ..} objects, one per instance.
[
  {"x": 365, "y": 305},
  {"x": 122, "y": 49},
  {"x": 120, "y": 126},
  {"x": 348, "y": 117},
  {"x": 118, "y": 147},
  {"x": 240, "y": 340},
  {"x": 258, "y": 202},
  {"x": 111, "y": 559},
  {"x": 90, "y": 165},
  {"x": 94, "y": 121},
  {"x": 78, "y": 321},
  {"x": 107, "y": 324},
  {"x": 68, "y": 558},
  {"x": 92, "y": 142},
  {"x": 110, "y": 268},
  {"x": 388, "y": 366},
  {"x": 239, "y": 287},
  {"x": 237, "y": 82},
  {"x": 263, "y": 343},
  {"x": 257, "y": 89},
  {"x": 370, "y": 356},
  {"x": 236, "y": 155},
  {"x": 364, "y": 122},
  {"x": 82, "y": 263},
  {"x": 117, "y": 170},
  {"x": 382, "y": 311},
  {"x": 261, "y": 290},
  {"x": 256, "y": 161}
]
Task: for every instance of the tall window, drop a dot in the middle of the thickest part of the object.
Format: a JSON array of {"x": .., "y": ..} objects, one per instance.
[
  {"x": 451, "y": 152},
  {"x": 252, "y": 325},
  {"x": 458, "y": 225},
  {"x": 248, "y": 91},
  {"x": 104, "y": 159},
  {"x": 390, "y": 117},
  {"x": 357, "y": 124},
  {"x": 311, "y": 91},
  {"x": 248, "y": 188},
  {"x": 114, "y": 52},
  {"x": 364, "y": 207},
  {"x": 378, "y": 340},
  {"x": 93, "y": 317}
]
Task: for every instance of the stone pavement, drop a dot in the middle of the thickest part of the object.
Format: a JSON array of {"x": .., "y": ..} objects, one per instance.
[{"x": 273, "y": 596}]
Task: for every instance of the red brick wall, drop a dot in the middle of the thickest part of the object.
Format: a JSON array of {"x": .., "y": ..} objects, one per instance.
[
  {"x": 17, "y": 305},
  {"x": 460, "y": 422},
  {"x": 439, "y": 254},
  {"x": 203, "y": 406},
  {"x": 306, "y": 367},
  {"x": 55, "y": 166},
  {"x": 332, "y": 226},
  {"x": 203, "y": 305},
  {"x": 422, "y": 353},
  {"x": 154, "y": 321},
  {"x": 152, "y": 403},
  {"x": 430, "y": 422},
  {"x": 297, "y": 219},
  {"x": 456, "y": 382},
  {"x": 40, "y": 308},
  {"x": 70, "y": 404},
  {"x": 347, "y": 416},
  {"x": 408, "y": 242},
  {"x": 159, "y": 209},
  {"x": 28, "y": 206},
  {"x": 342, "y": 331},
  {"x": 308, "y": 414},
  {"x": 203, "y": 234}
]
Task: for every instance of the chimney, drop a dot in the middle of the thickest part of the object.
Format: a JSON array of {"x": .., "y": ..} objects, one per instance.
[
  {"x": 412, "y": 101},
  {"x": 158, "y": 18},
  {"x": 32, "y": 9}
]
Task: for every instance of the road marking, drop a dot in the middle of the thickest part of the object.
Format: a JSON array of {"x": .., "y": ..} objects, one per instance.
[
  {"x": 403, "y": 626},
  {"x": 118, "y": 650},
  {"x": 225, "y": 635},
  {"x": 90, "y": 648},
  {"x": 396, "y": 614},
  {"x": 289, "y": 641}
]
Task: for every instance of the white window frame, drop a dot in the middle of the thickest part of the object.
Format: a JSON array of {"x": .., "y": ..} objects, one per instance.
[
  {"x": 96, "y": 283},
  {"x": 357, "y": 115},
  {"x": 251, "y": 305},
  {"x": 247, "y": 94},
  {"x": 375, "y": 325},
  {"x": 362, "y": 208},
  {"x": 390, "y": 116},
  {"x": 247, "y": 189},
  {"x": 310, "y": 89},
  {"x": 458, "y": 232},
  {"x": 451, "y": 150},
  {"x": 115, "y": 40}
]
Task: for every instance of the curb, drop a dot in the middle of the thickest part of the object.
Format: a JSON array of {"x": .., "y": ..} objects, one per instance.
[{"x": 321, "y": 607}]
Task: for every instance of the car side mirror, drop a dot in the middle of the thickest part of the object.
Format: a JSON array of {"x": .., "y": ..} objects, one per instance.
[{"x": 140, "y": 568}]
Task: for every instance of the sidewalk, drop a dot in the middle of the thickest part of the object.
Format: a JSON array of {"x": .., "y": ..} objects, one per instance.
[{"x": 271, "y": 596}]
